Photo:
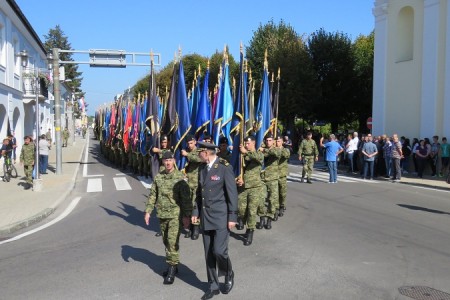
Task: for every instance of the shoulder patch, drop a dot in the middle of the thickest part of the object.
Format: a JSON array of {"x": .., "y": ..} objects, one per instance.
[{"x": 224, "y": 162}]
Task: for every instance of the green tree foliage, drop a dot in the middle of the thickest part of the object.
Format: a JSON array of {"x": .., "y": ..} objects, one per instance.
[
  {"x": 332, "y": 58},
  {"x": 57, "y": 39},
  {"x": 363, "y": 51},
  {"x": 287, "y": 51}
]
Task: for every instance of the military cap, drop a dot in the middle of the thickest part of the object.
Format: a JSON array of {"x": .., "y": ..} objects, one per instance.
[
  {"x": 167, "y": 155},
  {"x": 206, "y": 136},
  {"x": 164, "y": 137},
  {"x": 190, "y": 137},
  {"x": 223, "y": 140},
  {"x": 202, "y": 146},
  {"x": 279, "y": 137},
  {"x": 269, "y": 136},
  {"x": 249, "y": 138}
]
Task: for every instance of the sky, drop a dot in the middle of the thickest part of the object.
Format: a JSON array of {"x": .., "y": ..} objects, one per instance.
[{"x": 200, "y": 27}]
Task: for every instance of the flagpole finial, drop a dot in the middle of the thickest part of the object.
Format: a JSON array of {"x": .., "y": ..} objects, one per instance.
[
  {"x": 266, "y": 64},
  {"x": 272, "y": 77},
  {"x": 146, "y": 95},
  {"x": 175, "y": 57},
  {"x": 179, "y": 52},
  {"x": 208, "y": 65},
  {"x": 241, "y": 48},
  {"x": 199, "y": 70},
  {"x": 278, "y": 77},
  {"x": 245, "y": 66},
  {"x": 250, "y": 74}
]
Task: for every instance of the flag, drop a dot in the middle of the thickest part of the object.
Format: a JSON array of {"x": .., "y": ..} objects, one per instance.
[
  {"x": 169, "y": 114},
  {"x": 152, "y": 121},
  {"x": 264, "y": 109},
  {"x": 195, "y": 101},
  {"x": 224, "y": 109},
  {"x": 203, "y": 117},
  {"x": 183, "y": 118},
  {"x": 249, "y": 105},
  {"x": 238, "y": 123},
  {"x": 127, "y": 127}
]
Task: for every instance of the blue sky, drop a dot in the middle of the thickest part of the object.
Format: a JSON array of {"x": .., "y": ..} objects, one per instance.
[{"x": 196, "y": 26}]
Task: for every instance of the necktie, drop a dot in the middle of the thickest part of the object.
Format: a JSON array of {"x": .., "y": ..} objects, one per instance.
[{"x": 208, "y": 168}]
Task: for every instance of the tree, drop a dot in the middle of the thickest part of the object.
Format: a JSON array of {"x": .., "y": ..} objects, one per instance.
[
  {"x": 332, "y": 58},
  {"x": 57, "y": 39},
  {"x": 287, "y": 51},
  {"x": 363, "y": 52}
]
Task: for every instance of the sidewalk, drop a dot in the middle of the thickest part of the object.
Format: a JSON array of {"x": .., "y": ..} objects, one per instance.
[{"x": 21, "y": 208}]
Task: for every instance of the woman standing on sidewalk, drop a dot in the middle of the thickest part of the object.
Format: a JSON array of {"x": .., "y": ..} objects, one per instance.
[
  {"x": 43, "y": 146},
  {"x": 421, "y": 157}
]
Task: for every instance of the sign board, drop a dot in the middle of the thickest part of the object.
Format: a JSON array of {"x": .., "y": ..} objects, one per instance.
[
  {"x": 107, "y": 58},
  {"x": 369, "y": 122}
]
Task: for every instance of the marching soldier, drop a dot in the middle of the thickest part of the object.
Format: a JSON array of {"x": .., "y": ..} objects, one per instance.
[
  {"x": 164, "y": 140},
  {"x": 270, "y": 178},
  {"x": 27, "y": 160},
  {"x": 223, "y": 149},
  {"x": 170, "y": 195},
  {"x": 48, "y": 137},
  {"x": 282, "y": 171},
  {"x": 191, "y": 170},
  {"x": 251, "y": 188},
  {"x": 308, "y": 150}
]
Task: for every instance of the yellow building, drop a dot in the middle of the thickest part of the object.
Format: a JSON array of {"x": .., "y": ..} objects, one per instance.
[{"x": 411, "y": 88}]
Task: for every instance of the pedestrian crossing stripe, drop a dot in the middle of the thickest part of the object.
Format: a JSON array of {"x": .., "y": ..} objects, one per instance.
[
  {"x": 324, "y": 177},
  {"x": 95, "y": 185}
]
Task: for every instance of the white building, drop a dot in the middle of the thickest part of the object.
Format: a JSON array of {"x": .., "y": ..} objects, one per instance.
[
  {"x": 411, "y": 88},
  {"x": 17, "y": 101}
]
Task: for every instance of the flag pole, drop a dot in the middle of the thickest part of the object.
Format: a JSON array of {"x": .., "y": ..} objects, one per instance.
[{"x": 278, "y": 101}]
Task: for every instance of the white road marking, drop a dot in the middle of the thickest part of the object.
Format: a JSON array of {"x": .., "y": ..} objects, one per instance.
[
  {"x": 146, "y": 182},
  {"x": 121, "y": 184},
  {"x": 66, "y": 212},
  {"x": 120, "y": 174},
  {"x": 85, "y": 160},
  {"x": 94, "y": 185}
]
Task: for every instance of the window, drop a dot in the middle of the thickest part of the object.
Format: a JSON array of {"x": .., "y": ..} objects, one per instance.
[
  {"x": 405, "y": 34},
  {"x": 2, "y": 44}
]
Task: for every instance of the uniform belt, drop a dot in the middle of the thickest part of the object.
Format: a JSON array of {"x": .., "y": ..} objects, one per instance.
[{"x": 308, "y": 154}]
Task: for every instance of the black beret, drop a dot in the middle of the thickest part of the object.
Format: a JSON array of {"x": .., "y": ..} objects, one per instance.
[
  {"x": 164, "y": 137},
  {"x": 269, "y": 136},
  {"x": 206, "y": 136},
  {"x": 223, "y": 140},
  {"x": 190, "y": 137},
  {"x": 167, "y": 155},
  {"x": 249, "y": 138},
  {"x": 201, "y": 146}
]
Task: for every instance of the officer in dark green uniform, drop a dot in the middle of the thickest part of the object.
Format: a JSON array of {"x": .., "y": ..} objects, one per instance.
[
  {"x": 309, "y": 152},
  {"x": 170, "y": 195}
]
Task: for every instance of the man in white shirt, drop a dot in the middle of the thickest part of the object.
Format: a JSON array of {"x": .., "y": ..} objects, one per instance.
[{"x": 352, "y": 151}]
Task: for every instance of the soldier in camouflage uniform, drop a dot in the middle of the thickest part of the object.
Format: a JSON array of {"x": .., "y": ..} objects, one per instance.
[
  {"x": 27, "y": 159},
  {"x": 308, "y": 150},
  {"x": 223, "y": 149},
  {"x": 191, "y": 170},
  {"x": 282, "y": 171},
  {"x": 251, "y": 188},
  {"x": 164, "y": 140},
  {"x": 170, "y": 195},
  {"x": 269, "y": 211},
  {"x": 66, "y": 135}
]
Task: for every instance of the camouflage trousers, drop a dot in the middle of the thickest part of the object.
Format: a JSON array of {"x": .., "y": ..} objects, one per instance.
[
  {"x": 308, "y": 165},
  {"x": 28, "y": 170},
  {"x": 282, "y": 190},
  {"x": 249, "y": 200},
  {"x": 271, "y": 204},
  {"x": 193, "y": 195},
  {"x": 170, "y": 230}
]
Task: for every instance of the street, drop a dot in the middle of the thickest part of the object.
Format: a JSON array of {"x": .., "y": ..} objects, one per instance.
[{"x": 351, "y": 240}]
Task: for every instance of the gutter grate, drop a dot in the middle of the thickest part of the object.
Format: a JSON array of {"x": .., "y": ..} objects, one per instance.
[{"x": 423, "y": 293}]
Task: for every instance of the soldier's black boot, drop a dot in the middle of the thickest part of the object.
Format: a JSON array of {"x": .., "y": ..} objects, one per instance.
[
  {"x": 268, "y": 224},
  {"x": 170, "y": 277},
  {"x": 249, "y": 239},
  {"x": 275, "y": 217},
  {"x": 195, "y": 232},
  {"x": 188, "y": 232},
  {"x": 262, "y": 223},
  {"x": 240, "y": 224},
  {"x": 281, "y": 212}
]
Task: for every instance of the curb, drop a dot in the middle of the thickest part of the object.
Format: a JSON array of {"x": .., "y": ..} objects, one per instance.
[{"x": 47, "y": 211}]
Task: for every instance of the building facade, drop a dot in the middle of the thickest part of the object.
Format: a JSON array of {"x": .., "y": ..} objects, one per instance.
[{"x": 411, "y": 88}]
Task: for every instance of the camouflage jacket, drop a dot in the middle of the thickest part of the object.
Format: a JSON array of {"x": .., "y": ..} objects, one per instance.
[
  {"x": 283, "y": 162},
  {"x": 27, "y": 154},
  {"x": 271, "y": 156},
  {"x": 308, "y": 148},
  {"x": 225, "y": 155},
  {"x": 253, "y": 161},
  {"x": 194, "y": 162},
  {"x": 170, "y": 195},
  {"x": 66, "y": 134}
]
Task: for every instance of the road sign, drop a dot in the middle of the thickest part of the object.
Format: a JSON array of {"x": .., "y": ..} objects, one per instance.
[{"x": 369, "y": 122}]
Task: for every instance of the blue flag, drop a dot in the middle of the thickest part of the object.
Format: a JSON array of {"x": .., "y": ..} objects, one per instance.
[
  {"x": 224, "y": 110},
  {"x": 203, "y": 117},
  {"x": 263, "y": 110}
]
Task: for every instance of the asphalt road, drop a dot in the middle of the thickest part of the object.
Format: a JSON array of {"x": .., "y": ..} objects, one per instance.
[{"x": 351, "y": 240}]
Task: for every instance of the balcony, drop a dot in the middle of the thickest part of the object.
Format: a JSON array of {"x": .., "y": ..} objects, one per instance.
[{"x": 29, "y": 81}]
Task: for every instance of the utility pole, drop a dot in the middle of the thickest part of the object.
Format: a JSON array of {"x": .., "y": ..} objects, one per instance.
[{"x": 57, "y": 95}]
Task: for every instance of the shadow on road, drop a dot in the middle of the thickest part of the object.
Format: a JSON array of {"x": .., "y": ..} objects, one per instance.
[
  {"x": 158, "y": 265},
  {"x": 434, "y": 211}
]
